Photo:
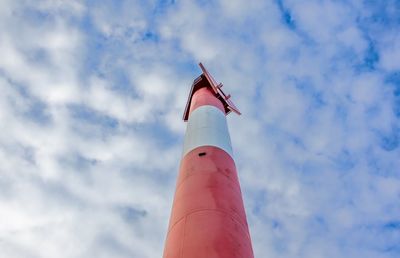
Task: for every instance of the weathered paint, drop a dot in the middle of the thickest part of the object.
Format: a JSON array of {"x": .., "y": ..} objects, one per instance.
[{"x": 208, "y": 219}]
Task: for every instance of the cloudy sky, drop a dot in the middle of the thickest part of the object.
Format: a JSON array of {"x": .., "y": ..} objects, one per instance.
[{"x": 91, "y": 99}]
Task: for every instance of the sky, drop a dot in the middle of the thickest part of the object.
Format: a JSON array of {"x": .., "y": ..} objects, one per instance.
[{"x": 91, "y": 130}]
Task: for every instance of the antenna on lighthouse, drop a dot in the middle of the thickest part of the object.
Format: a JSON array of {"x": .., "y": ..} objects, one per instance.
[
  {"x": 217, "y": 89},
  {"x": 206, "y": 80}
]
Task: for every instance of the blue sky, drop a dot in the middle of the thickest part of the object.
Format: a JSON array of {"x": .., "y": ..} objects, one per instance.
[{"x": 92, "y": 94}]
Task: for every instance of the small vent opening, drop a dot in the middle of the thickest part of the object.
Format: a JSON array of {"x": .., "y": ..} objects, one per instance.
[{"x": 201, "y": 154}]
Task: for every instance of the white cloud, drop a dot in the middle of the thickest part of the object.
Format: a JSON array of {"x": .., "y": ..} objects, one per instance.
[
  {"x": 91, "y": 130},
  {"x": 391, "y": 54}
]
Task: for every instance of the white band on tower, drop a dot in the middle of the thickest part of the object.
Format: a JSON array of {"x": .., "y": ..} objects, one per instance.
[{"x": 207, "y": 127}]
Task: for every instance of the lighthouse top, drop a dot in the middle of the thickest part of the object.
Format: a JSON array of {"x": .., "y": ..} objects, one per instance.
[{"x": 206, "y": 80}]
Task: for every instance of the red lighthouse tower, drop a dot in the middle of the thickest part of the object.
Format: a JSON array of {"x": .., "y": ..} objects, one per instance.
[{"x": 208, "y": 219}]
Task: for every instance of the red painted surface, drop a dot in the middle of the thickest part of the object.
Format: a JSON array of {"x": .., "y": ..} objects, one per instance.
[
  {"x": 208, "y": 218},
  {"x": 204, "y": 96}
]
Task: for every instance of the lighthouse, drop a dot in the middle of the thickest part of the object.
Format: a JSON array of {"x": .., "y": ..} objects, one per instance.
[{"x": 208, "y": 219}]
